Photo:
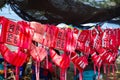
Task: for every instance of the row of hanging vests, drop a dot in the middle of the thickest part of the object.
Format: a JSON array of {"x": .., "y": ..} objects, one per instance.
[{"x": 101, "y": 44}]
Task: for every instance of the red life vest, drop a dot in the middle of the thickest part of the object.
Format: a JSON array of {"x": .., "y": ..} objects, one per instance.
[{"x": 38, "y": 53}]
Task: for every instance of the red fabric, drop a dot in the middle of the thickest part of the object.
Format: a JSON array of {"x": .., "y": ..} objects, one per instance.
[
  {"x": 62, "y": 61},
  {"x": 83, "y": 41},
  {"x": 17, "y": 73},
  {"x": 26, "y": 34},
  {"x": 4, "y": 24},
  {"x": 63, "y": 74},
  {"x": 20, "y": 34},
  {"x": 37, "y": 70},
  {"x": 8, "y": 32},
  {"x": 93, "y": 34},
  {"x": 14, "y": 33},
  {"x": 69, "y": 37},
  {"x": 38, "y": 27},
  {"x": 38, "y": 53},
  {"x": 39, "y": 31},
  {"x": 96, "y": 38},
  {"x": 48, "y": 36},
  {"x": 97, "y": 59},
  {"x": 117, "y": 32},
  {"x": 83, "y": 36},
  {"x": 53, "y": 31},
  {"x": 14, "y": 58},
  {"x": 118, "y": 37},
  {"x": 109, "y": 39},
  {"x": 108, "y": 58},
  {"x": 61, "y": 39},
  {"x": 79, "y": 62},
  {"x": 74, "y": 38}
]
